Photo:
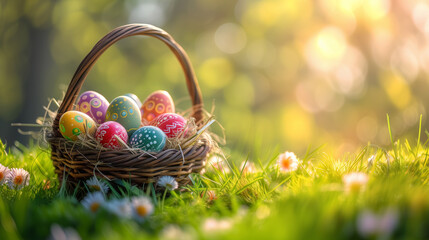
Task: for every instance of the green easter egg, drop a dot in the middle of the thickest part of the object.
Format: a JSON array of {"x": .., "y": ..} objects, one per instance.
[
  {"x": 149, "y": 138},
  {"x": 125, "y": 111}
]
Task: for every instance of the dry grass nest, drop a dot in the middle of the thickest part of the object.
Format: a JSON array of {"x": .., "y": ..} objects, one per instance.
[{"x": 196, "y": 134}]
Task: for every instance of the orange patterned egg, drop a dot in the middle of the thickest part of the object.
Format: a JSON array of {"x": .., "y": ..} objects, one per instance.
[
  {"x": 74, "y": 123},
  {"x": 157, "y": 103}
]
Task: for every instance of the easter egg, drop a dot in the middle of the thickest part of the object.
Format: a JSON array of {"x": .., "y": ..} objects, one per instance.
[
  {"x": 108, "y": 132},
  {"x": 74, "y": 123},
  {"x": 148, "y": 138},
  {"x": 94, "y": 105},
  {"x": 126, "y": 112},
  {"x": 157, "y": 103},
  {"x": 171, "y": 124},
  {"x": 135, "y": 98}
]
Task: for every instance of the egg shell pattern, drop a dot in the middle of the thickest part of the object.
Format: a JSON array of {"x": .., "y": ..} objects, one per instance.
[
  {"x": 107, "y": 132},
  {"x": 94, "y": 105},
  {"x": 148, "y": 138},
  {"x": 124, "y": 111},
  {"x": 171, "y": 124},
  {"x": 157, "y": 103},
  {"x": 135, "y": 98},
  {"x": 74, "y": 123}
]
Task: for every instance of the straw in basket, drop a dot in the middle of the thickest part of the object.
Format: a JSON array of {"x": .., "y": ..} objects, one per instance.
[{"x": 76, "y": 162}]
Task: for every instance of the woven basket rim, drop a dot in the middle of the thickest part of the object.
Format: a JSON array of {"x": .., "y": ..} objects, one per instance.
[
  {"x": 131, "y": 151},
  {"x": 81, "y": 162}
]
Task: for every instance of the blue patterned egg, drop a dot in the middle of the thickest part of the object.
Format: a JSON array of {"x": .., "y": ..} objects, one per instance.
[
  {"x": 135, "y": 98},
  {"x": 125, "y": 111},
  {"x": 148, "y": 138}
]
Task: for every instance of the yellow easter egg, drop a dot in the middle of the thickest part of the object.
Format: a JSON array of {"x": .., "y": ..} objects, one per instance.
[{"x": 74, "y": 123}]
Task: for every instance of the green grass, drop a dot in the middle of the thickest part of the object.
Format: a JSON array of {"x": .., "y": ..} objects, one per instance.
[{"x": 309, "y": 203}]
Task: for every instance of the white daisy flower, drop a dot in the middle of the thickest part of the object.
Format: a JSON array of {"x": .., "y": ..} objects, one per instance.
[
  {"x": 355, "y": 181},
  {"x": 389, "y": 220},
  {"x": 248, "y": 167},
  {"x": 57, "y": 232},
  {"x": 216, "y": 162},
  {"x": 142, "y": 207},
  {"x": 210, "y": 195},
  {"x": 174, "y": 232},
  {"x": 168, "y": 182},
  {"x": 373, "y": 224},
  {"x": 119, "y": 207},
  {"x": 93, "y": 201},
  {"x": 4, "y": 172},
  {"x": 215, "y": 225},
  {"x": 17, "y": 178},
  {"x": 95, "y": 185},
  {"x": 287, "y": 162},
  {"x": 367, "y": 223},
  {"x": 371, "y": 160}
]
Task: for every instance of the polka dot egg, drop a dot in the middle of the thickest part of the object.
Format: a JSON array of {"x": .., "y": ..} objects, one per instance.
[
  {"x": 148, "y": 138},
  {"x": 94, "y": 105},
  {"x": 126, "y": 112},
  {"x": 108, "y": 133},
  {"x": 74, "y": 123}
]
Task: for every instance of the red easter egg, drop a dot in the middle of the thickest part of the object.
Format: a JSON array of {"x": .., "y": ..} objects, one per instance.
[
  {"x": 171, "y": 124},
  {"x": 157, "y": 103},
  {"x": 106, "y": 133}
]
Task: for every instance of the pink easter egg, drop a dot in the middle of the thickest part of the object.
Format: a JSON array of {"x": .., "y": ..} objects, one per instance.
[
  {"x": 157, "y": 103},
  {"x": 106, "y": 133},
  {"x": 171, "y": 124},
  {"x": 94, "y": 105}
]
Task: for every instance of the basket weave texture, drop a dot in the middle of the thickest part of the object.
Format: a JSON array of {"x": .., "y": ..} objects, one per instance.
[{"x": 76, "y": 162}]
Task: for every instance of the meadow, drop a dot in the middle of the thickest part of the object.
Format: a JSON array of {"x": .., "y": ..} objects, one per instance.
[
  {"x": 300, "y": 89},
  {"x": 374, "y": 193}
]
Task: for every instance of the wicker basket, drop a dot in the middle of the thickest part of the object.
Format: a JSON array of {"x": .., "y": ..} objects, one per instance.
[{"x": 75, "y": 162}]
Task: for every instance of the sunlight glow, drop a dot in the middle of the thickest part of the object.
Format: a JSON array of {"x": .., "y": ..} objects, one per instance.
[
  {"x": 297, "y": 125},
  {"x": 151, "y": 12},
  {"x": 397, "y": 89},
  {"x": 326, "y": 49},
  {"x": 230, "y": 38},
  {"x": 216, "y": 72},
  {"x": 405, "y": 59},
  {"x": 375, "y": 9},
  {"x": 366, "y": 129}
]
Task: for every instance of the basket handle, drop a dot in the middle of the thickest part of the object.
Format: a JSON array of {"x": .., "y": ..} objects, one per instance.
[{"x": 111, "y": 38}]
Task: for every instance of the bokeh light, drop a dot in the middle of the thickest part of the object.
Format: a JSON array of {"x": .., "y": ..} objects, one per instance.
[
  {"x": 230, "y": 38},
  {"x": 283, "y": 73}
]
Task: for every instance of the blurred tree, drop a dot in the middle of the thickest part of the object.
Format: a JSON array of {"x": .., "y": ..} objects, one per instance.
[{"x": 24, "y": 45}]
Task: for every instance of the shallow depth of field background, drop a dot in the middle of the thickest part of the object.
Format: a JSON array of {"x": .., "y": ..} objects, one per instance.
[{"x": 280, "y": 73}]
